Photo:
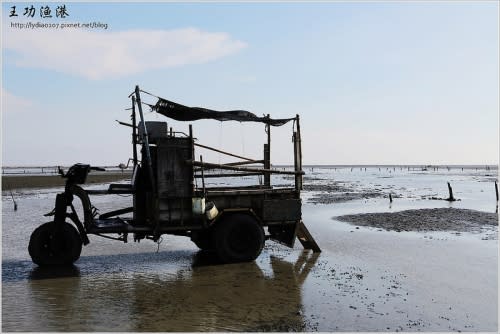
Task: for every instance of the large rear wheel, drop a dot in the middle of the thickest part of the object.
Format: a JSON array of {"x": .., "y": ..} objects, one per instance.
[
  {"x": 203, "y": 239},
  {"x": 55, "y": 245},
  {"x": 238, "y": 238}
]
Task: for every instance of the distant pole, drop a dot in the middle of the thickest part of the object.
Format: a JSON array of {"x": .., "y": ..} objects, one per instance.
[
  {"x": 15, "y": 204},
  {"x": 390, "y": 198}
]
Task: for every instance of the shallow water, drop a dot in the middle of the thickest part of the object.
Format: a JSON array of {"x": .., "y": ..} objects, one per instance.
[{"x": 364, "y": 280}]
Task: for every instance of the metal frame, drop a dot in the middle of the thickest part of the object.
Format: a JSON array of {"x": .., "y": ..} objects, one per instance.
[{"x": 242, "y": 196}]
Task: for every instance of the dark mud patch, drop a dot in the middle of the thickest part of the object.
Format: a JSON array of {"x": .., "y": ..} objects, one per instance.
[
  {"x": 424, "y": 220},
  {"x": 338, "y": 193},
  {"x": 331, "y": 187}
]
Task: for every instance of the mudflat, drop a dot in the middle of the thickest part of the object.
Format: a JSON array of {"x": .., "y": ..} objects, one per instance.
[
  {"x": 413, "y": 264},
  {"x": 426, "y": 220}
]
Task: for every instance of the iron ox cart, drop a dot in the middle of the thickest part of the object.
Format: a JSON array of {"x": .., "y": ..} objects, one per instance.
[{"x": 168, "y": 197}]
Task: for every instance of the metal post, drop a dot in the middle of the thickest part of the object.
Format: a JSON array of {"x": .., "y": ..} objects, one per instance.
[
  {"x": 269, "y": 131},
  {"x": 145, "y": 139},
  {"x": 191, "y": 132},
  {"x": 267, "y": 155},
  {"x": 202, "y": 177},
  {"x": 134, "y": 131},
  {"x": 295, "y": 159},
  {"x": 192, "y": 154},
  {"x": 267, "y": 165},
  {"x": 298, "y": 162}
]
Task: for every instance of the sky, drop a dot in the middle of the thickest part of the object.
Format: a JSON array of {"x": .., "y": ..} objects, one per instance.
[{"x": 373, "y": 82}]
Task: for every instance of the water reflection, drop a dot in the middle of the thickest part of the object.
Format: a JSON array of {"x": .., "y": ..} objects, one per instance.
[
  {"x": 195, "y": 294},
  {"x": 39, "y": 273}
]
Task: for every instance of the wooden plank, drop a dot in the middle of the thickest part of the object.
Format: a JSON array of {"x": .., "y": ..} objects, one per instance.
[
  {"x": 246, "y": 191},
  {"x": 220, "y": 151},
  {"x": 306, "y": 238},
  {"x": 244, "y": 163},
  {"x": 240, "y": 163},
  {"x": 228, "y": 175}
]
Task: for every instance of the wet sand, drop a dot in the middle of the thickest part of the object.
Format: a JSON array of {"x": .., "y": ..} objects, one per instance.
[
  {"x": 362, "y": 281},
  {"x": 367, "y": 278},
  {"x": 12, "y": 182}
]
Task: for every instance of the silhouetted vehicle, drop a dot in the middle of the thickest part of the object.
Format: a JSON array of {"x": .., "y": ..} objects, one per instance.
[{"x": 166, "y": 199}]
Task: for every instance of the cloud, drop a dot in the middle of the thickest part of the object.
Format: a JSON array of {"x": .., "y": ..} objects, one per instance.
[
  {"x": 14, "y": 104},
  {"x": 103, "y": 54}
]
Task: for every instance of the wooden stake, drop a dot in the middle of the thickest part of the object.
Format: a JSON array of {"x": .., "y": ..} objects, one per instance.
[
  {"x": 496, "y": 189},
  {"x": 450, "y": 191}
]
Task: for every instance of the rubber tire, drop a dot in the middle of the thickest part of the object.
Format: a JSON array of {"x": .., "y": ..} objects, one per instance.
[
  {"x": 204, "y": 240},
  {"x": 238, "y": 238},
  {"x": 48, "y": 247}
]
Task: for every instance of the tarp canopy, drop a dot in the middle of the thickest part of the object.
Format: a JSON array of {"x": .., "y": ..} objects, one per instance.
[{"x": 183, "y": 113}]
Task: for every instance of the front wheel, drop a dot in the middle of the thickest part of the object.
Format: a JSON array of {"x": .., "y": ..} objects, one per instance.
[
  {"x": 55, "y": 245},
  {"x": 239, "y": 238}
]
